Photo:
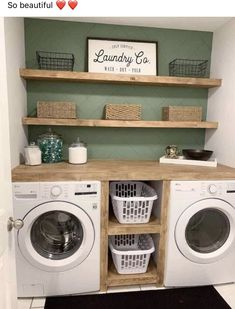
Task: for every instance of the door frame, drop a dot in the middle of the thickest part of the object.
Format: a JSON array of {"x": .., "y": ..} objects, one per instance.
[{"x": 8, "y": 298}]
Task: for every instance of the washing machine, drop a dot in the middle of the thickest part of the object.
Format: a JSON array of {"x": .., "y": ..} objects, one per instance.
[
  {"x": 58, "y": 237},
  {"x": 200, "y": 248}
]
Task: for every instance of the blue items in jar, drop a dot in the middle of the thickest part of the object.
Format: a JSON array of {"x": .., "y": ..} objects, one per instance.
[{"x": 51, "y": 146}]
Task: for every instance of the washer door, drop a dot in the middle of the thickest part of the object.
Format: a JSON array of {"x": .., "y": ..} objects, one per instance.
[
  {"x": 56, "y": 236},
  {"x": 204, "y": 232}
]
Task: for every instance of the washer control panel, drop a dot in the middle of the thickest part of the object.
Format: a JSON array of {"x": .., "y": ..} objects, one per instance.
[
  {"x": 65, "y": 190},
  {"x": 56, "y": 190}
]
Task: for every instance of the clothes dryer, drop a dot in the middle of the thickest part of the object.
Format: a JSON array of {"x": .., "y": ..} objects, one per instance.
[{"x": 200, "y": 248}]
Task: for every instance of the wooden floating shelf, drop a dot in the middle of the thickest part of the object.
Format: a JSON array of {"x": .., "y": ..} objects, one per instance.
[
  {"x": 116, "y": 279},
  {"x": 115, "y": 228},
  {"x": 119, "y": 123},
  {"x": 107, "y": 78}
]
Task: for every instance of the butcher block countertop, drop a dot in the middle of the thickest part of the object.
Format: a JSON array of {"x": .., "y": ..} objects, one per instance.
[{"x": 119, "y": 170}]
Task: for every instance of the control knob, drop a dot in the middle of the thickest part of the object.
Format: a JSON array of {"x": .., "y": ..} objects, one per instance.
[
  {"x": 212, "y": 189},
  {"x": 56, "y": 191}
]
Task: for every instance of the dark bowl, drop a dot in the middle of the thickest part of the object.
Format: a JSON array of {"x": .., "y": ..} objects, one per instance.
[{"x": 197, "y": 154}]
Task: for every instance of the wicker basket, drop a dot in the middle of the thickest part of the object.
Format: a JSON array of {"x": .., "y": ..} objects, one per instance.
[
  {"x": 123, "y": 111},
  {"x": 56, "y": 109},
  {"x": 182, "y": 113}
]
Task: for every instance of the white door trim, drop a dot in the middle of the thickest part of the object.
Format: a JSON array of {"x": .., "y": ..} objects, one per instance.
[{"x": 7, "y": 256}]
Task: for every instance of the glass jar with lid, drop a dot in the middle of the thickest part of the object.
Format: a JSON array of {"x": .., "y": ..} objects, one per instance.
[
  {"x": 51, "y": 146},
  {"x": 78, "y": 152}
]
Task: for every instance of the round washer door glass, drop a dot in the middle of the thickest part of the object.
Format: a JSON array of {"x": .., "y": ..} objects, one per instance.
[
  {"x": 56, "y": 234},
  {"x": 204, "y": 232},
  {"x": 207, "y": 230}
]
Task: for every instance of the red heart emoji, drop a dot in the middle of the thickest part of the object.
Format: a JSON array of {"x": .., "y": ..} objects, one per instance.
[
  {"x": 60, "y": 4},
  {"x": 73, "y": 4}
]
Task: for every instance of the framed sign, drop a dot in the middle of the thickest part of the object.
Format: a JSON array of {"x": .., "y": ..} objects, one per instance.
[{"x": 122, "y": 56}]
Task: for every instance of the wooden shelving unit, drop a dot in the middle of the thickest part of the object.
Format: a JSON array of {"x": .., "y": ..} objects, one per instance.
[
  {"x": 155, "y": 226},
  {"x": 147, "y": 80},
  {"x": 119, "y": 123},
  {"x": 110, "y": 226}
]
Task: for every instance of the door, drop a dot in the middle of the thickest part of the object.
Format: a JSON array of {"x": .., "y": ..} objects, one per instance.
[
  {"x": 7, "y": 265},
  {"x": 204, "y": 232},
  {"x": 56, "y": 236}
]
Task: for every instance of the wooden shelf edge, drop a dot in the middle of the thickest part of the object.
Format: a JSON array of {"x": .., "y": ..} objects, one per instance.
[
  {"x": 115, "y": 228},
  {"x": 87, "y": 77},
  {"x": 120, "y": 123},
  {"x": 116, "y": 279}
]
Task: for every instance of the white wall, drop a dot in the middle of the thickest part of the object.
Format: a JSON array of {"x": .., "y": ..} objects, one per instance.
[
  {"x": 15, "y": 59},
  {"x": 221, "y": 101},
  {"x": 7, "y": 253}
]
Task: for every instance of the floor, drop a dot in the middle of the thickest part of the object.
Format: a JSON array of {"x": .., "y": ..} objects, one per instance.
[{"x": 227, "y": 291}]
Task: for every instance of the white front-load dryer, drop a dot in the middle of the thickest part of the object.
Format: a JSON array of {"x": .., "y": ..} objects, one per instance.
[
  {"x": 200, "y": 248},
  {"x": 58, "y": 245}
]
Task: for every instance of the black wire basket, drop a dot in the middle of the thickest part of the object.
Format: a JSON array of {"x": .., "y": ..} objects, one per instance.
[
  {"x": 55, "y": 61},
  {"x": 188, "y": 68}
]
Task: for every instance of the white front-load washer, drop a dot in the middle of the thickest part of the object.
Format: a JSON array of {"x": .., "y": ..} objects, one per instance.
[
  {"x": 58, "y": 245},
  {"x": 200, "y": 248}
]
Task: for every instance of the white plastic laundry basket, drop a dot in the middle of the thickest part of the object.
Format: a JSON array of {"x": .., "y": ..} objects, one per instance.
[
  {"x": 131, "y": 253},
  {"x": 132, "y": 201}
]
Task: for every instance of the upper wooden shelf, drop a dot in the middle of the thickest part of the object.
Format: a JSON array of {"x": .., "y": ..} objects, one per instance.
[
  {"x": 85, "y": 77},
  {"x": 119, "y": 123}
]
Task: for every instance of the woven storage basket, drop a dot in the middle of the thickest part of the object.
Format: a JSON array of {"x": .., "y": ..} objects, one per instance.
[
  {"x": 182, "y": 113},
  {"x": 131, "y": 253},
  {"x": 123, "y": 111},
  {"x": 56, "y": 109}
]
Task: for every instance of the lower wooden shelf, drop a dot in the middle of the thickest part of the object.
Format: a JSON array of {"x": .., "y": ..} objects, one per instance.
[
  {"x": 115, "y": 228},
  {"x": 116, "y": 279}
]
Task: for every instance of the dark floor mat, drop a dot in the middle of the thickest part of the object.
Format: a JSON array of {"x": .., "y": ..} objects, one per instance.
[{"x": 205, "y": 297}]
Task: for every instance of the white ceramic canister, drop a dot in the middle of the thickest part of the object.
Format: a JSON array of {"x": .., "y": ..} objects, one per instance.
[
  {"x": 78, "y": 153},
  {"x": 32, "y": 155}
]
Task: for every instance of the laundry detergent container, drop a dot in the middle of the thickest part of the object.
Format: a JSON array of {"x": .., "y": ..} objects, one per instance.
[
  {"x": 131, "y": 253},
  {"x": 132, "y": 201}
]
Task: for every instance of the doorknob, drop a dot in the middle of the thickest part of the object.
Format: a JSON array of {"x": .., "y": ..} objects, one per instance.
[{"x": 17, "y": 224}]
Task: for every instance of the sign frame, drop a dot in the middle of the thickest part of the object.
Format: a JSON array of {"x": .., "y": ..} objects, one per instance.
[{"x": 117, "y": 56}]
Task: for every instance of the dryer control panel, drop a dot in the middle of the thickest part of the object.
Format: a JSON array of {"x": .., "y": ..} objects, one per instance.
[{"x": 204, "y": 189}]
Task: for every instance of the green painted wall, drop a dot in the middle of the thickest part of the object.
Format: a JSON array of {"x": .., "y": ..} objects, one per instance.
[{"x": 116, "y": 143}]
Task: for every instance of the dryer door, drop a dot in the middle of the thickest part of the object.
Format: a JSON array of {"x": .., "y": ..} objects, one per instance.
[
  {"x": 204, "y": 232},
  {"x": 56, "y": 236}
]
